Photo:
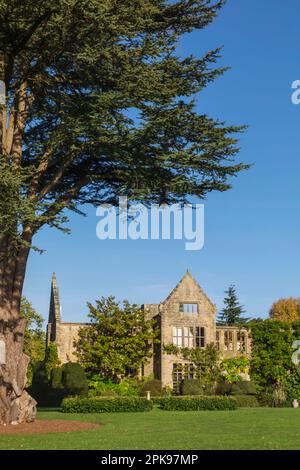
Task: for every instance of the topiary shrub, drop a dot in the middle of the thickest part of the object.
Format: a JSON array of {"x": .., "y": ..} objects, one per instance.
[
  {"x": 74, "y": 380},
  {"x": 154, "y": 387},
  {"x": 105, "y": 405},
  {"x": 200, "y": 403},
  {"x": 40, "y": 388},
  {"x": 191, "y": 387},
  {"x": 243, "y": 388}
]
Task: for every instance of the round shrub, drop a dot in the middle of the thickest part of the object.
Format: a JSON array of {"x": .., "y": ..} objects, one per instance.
[
  {"x": 74, "y": 379},
  {"x": 154, "y": 387},
  {"x": 223, "y": 388},
  {"x": 243, "y": 388},
  {"x": 191, "y": 387}
]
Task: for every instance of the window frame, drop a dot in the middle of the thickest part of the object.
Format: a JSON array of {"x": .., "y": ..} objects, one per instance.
[
  {"x": 218, "y": 340},
  {"x": 182, "y": 371},
  {"x": 200, "y": 337},
  {"x": 228, "y": 340},
  {"x": 241, "y": 341},
  {"x": 184, "y": 308},
  {"x": 189, "y": 336},
  {"x": 176, "y": 337}
]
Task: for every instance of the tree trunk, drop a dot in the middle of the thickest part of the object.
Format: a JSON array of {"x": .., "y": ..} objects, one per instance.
[{"x": 16, "y": 405}]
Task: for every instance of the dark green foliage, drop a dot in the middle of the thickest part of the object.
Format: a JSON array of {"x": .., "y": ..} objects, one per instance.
[
  {"x": 291, "y": 384},
  {"x": 271, "y": 364},
  {"x": 243, "y": 388},
  {"x": 191, "y": 387},
  {"x": 56, "y": 378},
  {"x": 34, "y": 339},
  {"x": 223, "y": 388},
  {"x": 246, "y": 401},
  {"x": 74, "y": 380},
  {"x": 118, "y": 341},
  {"x": 106, "y": 405},
  {"x": 64, "y": 381},
  {"x": 157, "y": 401},
  {"x": 154, "y": 387},
  {"x": 51, "y": 360},
  {"x": 233, "y": 311},
  {"x": 39, "y": 388},
  {"x": 197, "y": 403},
  {"x": 271, "y": 352},
  {"x": 207, "y": 365},
  {"x": 83, "y": 67}
]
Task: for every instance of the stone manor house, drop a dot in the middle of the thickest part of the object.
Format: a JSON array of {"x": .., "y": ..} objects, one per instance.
[{"x": 186, "y": 318}]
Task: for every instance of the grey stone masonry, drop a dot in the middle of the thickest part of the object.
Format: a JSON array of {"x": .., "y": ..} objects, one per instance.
[{"x": 186, "y": 318}]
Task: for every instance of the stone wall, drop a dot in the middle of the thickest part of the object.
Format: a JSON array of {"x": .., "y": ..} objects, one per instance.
[
  {"x": 166, "y": 315},
  {"x": 66, "y": 334}
]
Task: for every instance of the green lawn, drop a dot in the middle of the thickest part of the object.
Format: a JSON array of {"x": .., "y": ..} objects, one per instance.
[{"x": 243, "y": 429}]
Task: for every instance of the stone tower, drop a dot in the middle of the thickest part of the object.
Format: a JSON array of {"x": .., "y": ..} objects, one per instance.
[
  {"x": 54, "y": 312},
  {"x": 63, "y": 334}
]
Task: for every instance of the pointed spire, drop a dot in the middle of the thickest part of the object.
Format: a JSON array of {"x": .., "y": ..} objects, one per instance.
[{"x": 54, "y": 310}]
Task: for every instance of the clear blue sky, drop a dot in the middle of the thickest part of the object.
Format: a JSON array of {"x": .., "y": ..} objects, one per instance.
[{"x": 252, "y": 232}]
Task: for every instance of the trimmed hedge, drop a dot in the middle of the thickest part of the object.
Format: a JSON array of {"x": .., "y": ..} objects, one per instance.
[
  {"x": 105, "y": 405},
  {"x": 246, "y": 401},
  {"x": 157, "y": 401},
  {"x": 197, "y": 403}
]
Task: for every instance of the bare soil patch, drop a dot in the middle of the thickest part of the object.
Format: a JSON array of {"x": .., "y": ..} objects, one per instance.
[{"x": 46, "y": 426}]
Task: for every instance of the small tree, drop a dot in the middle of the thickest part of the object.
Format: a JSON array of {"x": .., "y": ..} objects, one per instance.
[
  {"x": 34, "y": 338},
  {"x": 287, "y": 310},
  {"x": 118, "y": 341},
  {"x": 232, "y": 312}
]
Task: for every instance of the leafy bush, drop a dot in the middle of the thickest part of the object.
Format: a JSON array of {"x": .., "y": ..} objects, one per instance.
[
  {"x": 154, "y": 387},
  {"x": 291, "y": 384},
  {"x": 234, "y": 367},
  {"x": 191, "y": 387},
  {"x": 271, "y": 355},
  {"x": 246, "y": 401},
  {"x": 99, "y": 387},
  {"x": 274, "y": 397},
  {"x": 197, "y": 403},
  {"x": 74, "y": 380},
  {"x": 51, "y": 360},
  {"x": 223, "y": 388},
  {"x": 243, "y": 388},
  {"x": 105, "y": 405},
  {"x": 56, "y": 378}
]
